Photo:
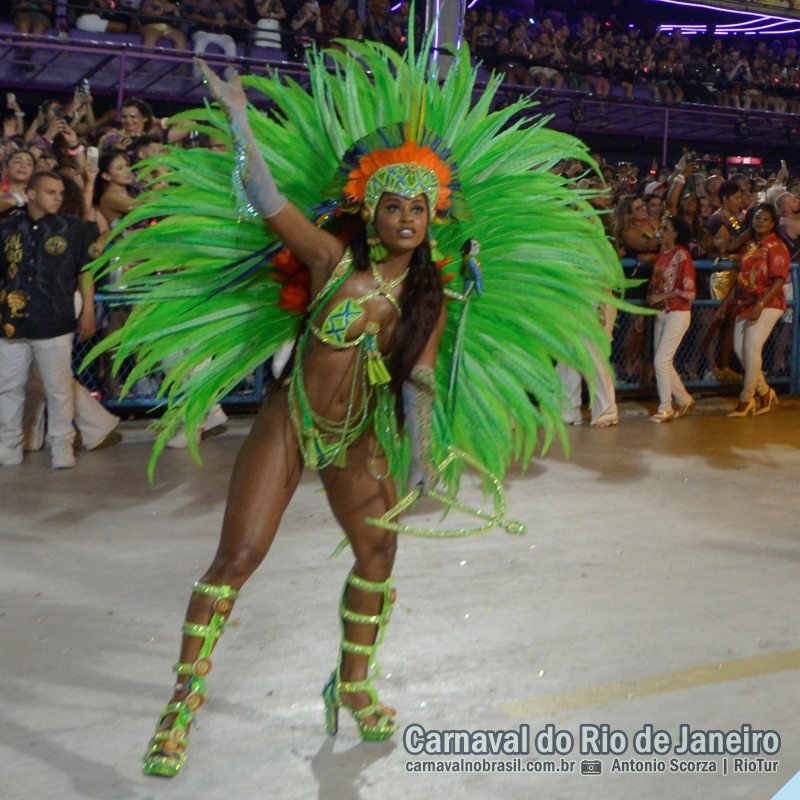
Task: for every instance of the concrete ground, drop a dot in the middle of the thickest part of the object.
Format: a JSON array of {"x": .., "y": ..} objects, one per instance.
[{"x": 658, "y": 583}]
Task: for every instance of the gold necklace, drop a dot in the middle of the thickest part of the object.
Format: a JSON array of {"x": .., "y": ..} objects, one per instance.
[{"x": 383, "y": 287}]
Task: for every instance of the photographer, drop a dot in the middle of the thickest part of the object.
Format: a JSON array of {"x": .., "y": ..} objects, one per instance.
[
  {"x": 56, "y": 128},
  {"x": 82, "y": 118},
  {"x": 686, "y": 179},
  {"x": 306, "y": 25},
  {"x": 51, "y": 118},
  {"x": 697, "y": 82}
]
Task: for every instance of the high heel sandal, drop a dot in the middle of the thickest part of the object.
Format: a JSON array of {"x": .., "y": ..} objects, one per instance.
[
  {"x": 750, "y": 408},
  {"x": 662, "y": 416},
  {"x": 166, "y": 752},
  {"x": 766, "y": 401},
  {"x": 335, "y": 687},
  {"x": 682, "y": 411}
]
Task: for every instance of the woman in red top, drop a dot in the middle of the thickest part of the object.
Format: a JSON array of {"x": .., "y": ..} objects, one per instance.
[
  {"x": 761, "y": 302},
  {"x": 671, "y": 290}
]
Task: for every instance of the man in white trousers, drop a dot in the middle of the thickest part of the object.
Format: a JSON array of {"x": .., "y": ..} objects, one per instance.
[
  {"x": 95, "y": 425},
  {"x": 603, "y": 402},
  {"x": 42, "y": 254}
]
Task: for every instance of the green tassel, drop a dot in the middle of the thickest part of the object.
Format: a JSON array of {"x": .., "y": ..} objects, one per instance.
[
  {"x": 313, "y": 453},
  {"x": 376, "y": 370}
]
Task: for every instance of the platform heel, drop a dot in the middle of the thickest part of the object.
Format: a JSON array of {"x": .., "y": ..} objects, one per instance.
[
  {"x": 166, "y": 752},
  {"x": 333, "y": 690}
]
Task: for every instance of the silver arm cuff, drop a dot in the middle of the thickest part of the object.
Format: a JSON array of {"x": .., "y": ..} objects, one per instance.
[{"x": 253, "y": 185}]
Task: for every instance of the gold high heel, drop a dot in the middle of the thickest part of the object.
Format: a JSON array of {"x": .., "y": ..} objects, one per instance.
[
  {"x": 662, "y": 416},
  {"x": 750, "y": 408},
  {"x": 766, "y": 400}
]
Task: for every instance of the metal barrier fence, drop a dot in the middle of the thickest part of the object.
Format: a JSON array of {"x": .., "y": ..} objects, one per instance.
[
  {"x": 97, "y": 378},
  {"x": 705, "y": 359}
]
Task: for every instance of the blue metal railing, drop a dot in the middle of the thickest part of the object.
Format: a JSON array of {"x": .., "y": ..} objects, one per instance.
[
  {"x": 143, "y": 395},
  {"x": 697, "y": 360}
]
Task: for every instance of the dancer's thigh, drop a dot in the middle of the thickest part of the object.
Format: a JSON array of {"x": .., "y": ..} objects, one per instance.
[
  {"x": 265, "y": 476},
  {"x": 356, "y": 492}
]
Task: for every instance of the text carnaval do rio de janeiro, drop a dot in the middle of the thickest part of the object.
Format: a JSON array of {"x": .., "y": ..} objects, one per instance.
[{"x": 591, "y": 740}]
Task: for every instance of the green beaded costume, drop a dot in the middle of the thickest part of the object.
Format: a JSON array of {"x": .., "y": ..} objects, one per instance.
[
  {"x": 211, "y": 303},
  {"x": 324, "y": 441}
]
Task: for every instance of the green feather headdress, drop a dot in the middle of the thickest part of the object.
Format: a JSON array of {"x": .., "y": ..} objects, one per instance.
[{"x": 209, "y": 309}]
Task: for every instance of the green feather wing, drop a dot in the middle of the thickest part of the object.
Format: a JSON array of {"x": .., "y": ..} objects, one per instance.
[{"x": 206, "y": 316}]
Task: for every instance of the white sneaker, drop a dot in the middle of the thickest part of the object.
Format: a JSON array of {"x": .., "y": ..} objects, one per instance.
[
  {"x": 179, "y": 441},
  {"x": 10, "y": 456},
  {"x": 62, "y": 455},
  {"x": 216, "y": 419},
  {"x": 105, "y": 439}
]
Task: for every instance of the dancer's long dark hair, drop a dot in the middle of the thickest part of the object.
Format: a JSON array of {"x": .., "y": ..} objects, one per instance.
[{"x": 420, "y": 305}]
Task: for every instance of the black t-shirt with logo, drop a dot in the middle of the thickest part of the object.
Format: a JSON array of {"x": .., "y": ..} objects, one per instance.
[{"x": 39, "y": 266}]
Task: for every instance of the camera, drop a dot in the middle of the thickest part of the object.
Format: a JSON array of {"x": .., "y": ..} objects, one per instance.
[{"x": 591, "y": 767}]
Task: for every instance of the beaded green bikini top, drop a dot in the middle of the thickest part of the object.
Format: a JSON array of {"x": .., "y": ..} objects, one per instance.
[
  {"x": 324, "y": 441},
  {"x": 337, "y": 324}
]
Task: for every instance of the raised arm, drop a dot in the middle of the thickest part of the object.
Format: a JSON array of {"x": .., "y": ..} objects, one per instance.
[{"x": 317, "y": 249}]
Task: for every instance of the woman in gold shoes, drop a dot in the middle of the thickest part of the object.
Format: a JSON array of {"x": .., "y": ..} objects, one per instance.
[
  {"x": 672, "y": 289},
  {"x": 760, "y": 302}
]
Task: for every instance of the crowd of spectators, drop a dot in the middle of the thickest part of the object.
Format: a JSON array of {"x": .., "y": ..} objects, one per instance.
[
  {"x": 233, "y": 26},
  {"x": 603, "y": 57},
  {"x": 716, "y": 201},
  {"x": 586, "y": 54},
  {"x": 101, "y": 187}
]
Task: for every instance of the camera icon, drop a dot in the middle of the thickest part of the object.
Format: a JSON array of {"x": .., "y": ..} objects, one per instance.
[{"x": 591, "y": 768}]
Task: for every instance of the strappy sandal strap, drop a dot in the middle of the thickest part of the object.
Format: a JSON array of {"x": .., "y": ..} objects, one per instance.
[{"x": 166, "y": 751}]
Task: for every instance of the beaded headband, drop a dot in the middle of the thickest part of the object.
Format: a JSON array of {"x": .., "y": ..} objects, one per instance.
[{"x": 408, "y": 171}]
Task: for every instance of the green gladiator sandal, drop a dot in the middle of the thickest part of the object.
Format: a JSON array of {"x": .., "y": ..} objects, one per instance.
[
  {"x": 336, "y": 687},
  {"x": 166, "y": 752}
]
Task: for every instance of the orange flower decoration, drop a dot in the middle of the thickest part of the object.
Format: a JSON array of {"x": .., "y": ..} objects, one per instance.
[
  {"x": 441, "y": 265},
  {"x": 295, "y": 279}
]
